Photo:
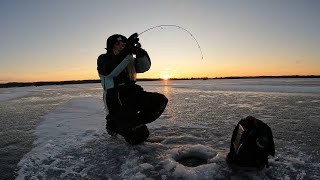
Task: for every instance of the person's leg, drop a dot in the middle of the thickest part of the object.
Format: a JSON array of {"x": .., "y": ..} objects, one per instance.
[
  {"x": 151, "y": 106},
  {"x": 114, "y": 106},
  {"x": 129, "y": 96},
  {"x": 148, "y": 105},
  {"x": 130, "y": 126},
  {"x": 124, "y": 117}
]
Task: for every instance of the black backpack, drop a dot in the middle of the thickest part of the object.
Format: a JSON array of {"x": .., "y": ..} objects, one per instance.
[{"x": 251, "y": 143}]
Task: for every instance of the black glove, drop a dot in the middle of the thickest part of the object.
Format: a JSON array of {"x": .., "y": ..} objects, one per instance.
[
  {"x": 133, "y": 40},
  {"x": 136, "y": 48},
  {"x": 139, "y": 52}
]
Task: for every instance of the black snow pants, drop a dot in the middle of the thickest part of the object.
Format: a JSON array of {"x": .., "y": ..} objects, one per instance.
[{"x": 130, "y": 108}]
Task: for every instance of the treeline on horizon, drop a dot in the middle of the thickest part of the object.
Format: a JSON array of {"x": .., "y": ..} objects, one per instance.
[{"x": 44, "y": 83}]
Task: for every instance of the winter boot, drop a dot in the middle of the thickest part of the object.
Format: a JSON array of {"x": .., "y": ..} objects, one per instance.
[{"x": 110, "y": 127}]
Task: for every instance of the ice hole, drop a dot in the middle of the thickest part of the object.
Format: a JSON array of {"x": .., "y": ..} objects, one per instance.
[
  {"x": 192, "y": 161},
  {"x": 190, "y": 156}
]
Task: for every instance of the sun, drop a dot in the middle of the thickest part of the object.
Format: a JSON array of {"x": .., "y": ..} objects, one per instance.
[{"x": 165, "y": 77}]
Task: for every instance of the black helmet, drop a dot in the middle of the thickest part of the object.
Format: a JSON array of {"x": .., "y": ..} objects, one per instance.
[{"x": 113, "y": 39}]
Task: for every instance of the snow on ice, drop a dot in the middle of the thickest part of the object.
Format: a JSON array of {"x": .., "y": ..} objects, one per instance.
[
  {"x": 12, "y": 93},
  {"x": 72, "y": 144},
  {"x": 70, "y": 127}
]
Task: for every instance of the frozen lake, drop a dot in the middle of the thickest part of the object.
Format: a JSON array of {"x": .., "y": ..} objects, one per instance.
[{"x": 58, "y": 132}]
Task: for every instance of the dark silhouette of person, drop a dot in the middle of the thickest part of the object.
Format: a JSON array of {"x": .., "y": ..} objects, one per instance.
[{"x": 129, "y": 108}]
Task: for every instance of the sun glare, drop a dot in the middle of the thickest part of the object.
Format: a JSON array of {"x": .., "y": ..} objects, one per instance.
[{"x": 165, "y": 77}]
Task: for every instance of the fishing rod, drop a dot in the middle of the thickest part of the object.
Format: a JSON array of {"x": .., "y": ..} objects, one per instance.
[{"x": 179, "y": 27}]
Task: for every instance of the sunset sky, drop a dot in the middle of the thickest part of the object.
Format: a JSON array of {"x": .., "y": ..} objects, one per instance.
[{"x": 43, "y": 40}]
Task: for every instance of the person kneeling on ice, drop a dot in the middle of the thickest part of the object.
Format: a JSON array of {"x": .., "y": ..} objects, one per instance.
[{"x": 129, "y": 108}]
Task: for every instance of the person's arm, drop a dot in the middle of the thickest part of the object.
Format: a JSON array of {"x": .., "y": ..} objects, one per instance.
[
  {"x": 101, "y": 67},
  {"x": 143, "y": 62},
  {"x": 107, "y": 81},
  {"x": 121, "y": 66},
  {"x": 106, "y": 64}
]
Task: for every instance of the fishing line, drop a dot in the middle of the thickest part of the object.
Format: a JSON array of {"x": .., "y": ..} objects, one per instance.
[{"x": 179, "y": 27}]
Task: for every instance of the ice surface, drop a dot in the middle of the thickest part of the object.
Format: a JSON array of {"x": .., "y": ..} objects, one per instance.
[
  {"x": 70, "y": 127},
  {"x": 66, "y": 128},
  {"x": 283, "y": 85},
  {"x": 12, "y": 93},
  {"x": 72, "y": 144}
]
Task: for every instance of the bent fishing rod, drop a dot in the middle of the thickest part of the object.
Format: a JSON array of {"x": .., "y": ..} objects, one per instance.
[{"x": 179, "y": 27}]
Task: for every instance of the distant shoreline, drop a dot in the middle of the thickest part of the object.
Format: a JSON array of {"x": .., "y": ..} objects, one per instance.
[{"x": 44, "y": 83}]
